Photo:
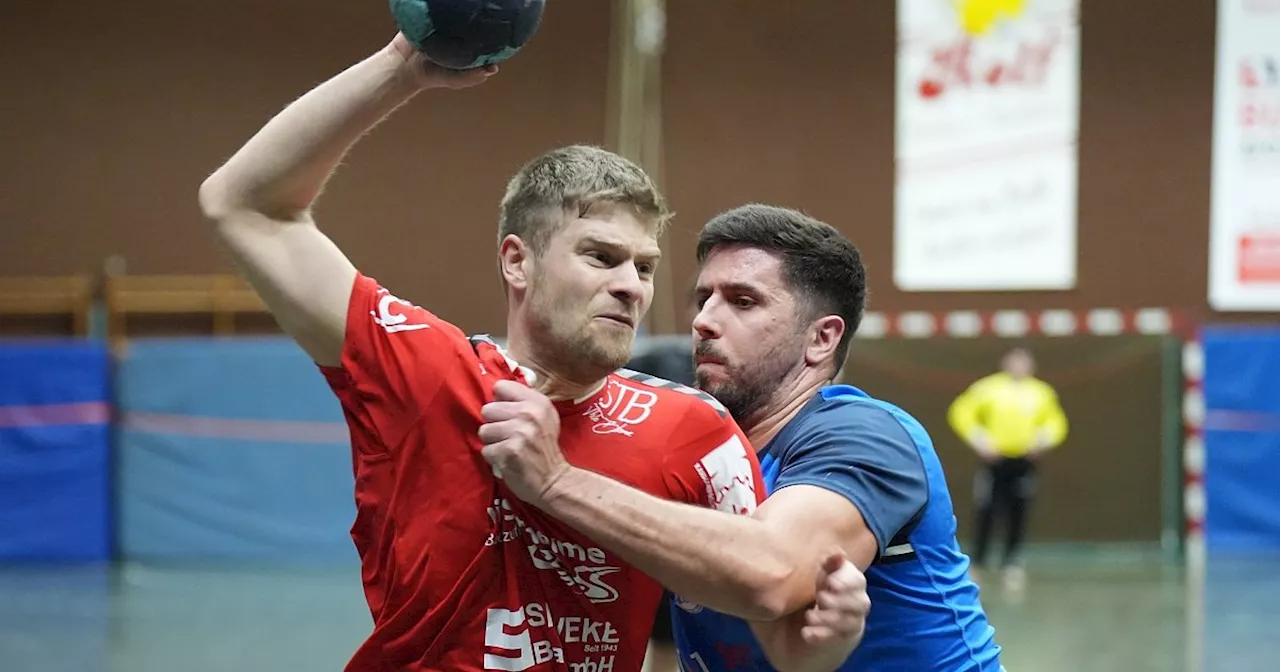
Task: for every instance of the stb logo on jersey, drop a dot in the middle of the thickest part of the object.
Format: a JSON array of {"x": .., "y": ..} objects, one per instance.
[
  {"x": 392, "y": 314},
  {"x": 620, "y": 407}
]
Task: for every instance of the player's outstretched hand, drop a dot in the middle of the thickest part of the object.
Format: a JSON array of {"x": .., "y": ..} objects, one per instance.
[
  {"x": 432, "y": 76},
  {"x": 521, "y": 438},
  {"x": 841, "y": 604}
]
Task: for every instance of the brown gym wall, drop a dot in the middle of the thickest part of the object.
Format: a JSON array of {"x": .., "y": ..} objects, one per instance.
[
  {"x": 793, "y": 103},
  {"x": 113, "y": 114}
]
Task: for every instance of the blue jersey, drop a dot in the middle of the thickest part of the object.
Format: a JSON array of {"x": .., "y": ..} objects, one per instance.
[{"x": 925, "y": 613}]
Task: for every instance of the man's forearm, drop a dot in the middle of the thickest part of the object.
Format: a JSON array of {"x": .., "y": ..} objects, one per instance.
[
  {"x": 283, "y": 168},
  {"x": 787, "y": 651},
  {"x": 726, "y": 562}
]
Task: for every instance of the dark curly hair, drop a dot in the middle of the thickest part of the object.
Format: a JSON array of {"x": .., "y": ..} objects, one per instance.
[{"x": 820, "y": 266}]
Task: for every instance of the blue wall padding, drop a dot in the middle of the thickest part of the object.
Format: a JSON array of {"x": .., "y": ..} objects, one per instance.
[
  {"x": 231, "y": 451},
  {"x": 1242, "y": 438},
  {"x": 55, "y": 441}
]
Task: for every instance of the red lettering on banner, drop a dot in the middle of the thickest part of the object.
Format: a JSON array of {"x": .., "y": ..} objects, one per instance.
[
  {"x": 954, "y": 65},
  {"x": 1259, "y": 258}
]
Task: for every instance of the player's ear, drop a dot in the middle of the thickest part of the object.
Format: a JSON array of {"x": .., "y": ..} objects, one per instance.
[
  {"x": 824, "y": 337},
  {"x": 516, "y": 260}
]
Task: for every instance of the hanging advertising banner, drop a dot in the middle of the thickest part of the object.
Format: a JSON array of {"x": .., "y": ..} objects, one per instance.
[
  {"x": 986, "y": 153},
  {"x": 1244, "y": 220}
]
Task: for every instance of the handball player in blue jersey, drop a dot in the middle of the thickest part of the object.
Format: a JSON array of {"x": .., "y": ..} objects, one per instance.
[
  {"x": 857, "y": 499},
  {"x": 779, "y": 296}
]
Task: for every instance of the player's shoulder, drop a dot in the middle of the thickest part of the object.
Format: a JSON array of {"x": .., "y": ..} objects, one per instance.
[
  {"x": 373, "y": 301},
  {"x": 845, "y": 409},
  {"x": 847, "y": 426},
  {"x": 672, "y": 397}
]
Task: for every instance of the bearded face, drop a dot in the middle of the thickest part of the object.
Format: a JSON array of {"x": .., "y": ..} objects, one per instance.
[
  {"x": 588, "y": 291},
  {"x": 748, "y": 334}
]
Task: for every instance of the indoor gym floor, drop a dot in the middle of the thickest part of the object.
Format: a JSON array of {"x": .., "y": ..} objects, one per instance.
[{"x": 1082, "y": 611}]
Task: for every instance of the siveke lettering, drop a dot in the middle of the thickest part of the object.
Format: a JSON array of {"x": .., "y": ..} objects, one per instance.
[{"x": 572, "y": 629}]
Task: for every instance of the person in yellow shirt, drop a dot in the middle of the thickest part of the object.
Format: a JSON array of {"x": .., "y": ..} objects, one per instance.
[{"x": 1009, "y": 418}]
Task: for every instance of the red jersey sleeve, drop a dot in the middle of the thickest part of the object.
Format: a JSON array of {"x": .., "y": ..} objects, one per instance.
[
  {"x": 712, "y": 464},
  {"x": 395, "y": 358}
]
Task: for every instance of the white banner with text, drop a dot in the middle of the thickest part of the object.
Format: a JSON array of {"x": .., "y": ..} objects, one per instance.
[
  {"x": 986, "y": 146},
  {"x": 1244, "y": 220}
]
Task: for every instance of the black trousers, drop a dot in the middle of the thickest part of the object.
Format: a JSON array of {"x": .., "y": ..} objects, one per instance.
[{"x": 1003, "y": 488}]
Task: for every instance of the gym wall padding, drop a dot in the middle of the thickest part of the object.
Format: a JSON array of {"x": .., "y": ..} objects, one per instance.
[
  {"x": 1242, "y": 438},
  {"x": 231, "y": 451},
  {"x": 54, "y": 451}
]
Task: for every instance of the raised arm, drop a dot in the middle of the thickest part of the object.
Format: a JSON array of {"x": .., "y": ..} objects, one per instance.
[{"x": 261, "y": 198}]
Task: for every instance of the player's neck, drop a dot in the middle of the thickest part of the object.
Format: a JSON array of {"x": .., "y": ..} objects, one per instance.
[
  {"x": 791, "y": 396},
  {"x": 560, "y": 389},
  {"x": 546, "y": 379}
]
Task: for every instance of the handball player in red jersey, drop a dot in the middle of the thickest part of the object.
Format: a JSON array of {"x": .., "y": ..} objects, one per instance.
[{"x": 459, "y": 572}]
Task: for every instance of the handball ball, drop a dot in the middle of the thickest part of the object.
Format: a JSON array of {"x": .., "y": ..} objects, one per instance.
[{"x": 462, "y": 34}]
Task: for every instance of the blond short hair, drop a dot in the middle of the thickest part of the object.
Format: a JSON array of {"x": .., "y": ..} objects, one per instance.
[{"x": 569, "y": 182}]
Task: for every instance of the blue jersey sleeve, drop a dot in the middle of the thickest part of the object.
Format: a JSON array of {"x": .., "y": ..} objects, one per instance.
[{"x": 860, "y": 451}]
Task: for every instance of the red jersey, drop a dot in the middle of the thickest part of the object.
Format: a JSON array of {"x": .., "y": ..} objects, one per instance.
[{"x": 459, "y": 574}]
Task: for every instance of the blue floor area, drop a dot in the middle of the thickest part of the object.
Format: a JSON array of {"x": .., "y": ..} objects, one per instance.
[
  {"x": 1081, "y": 611},
  {"x": 140, "y": 619}
]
